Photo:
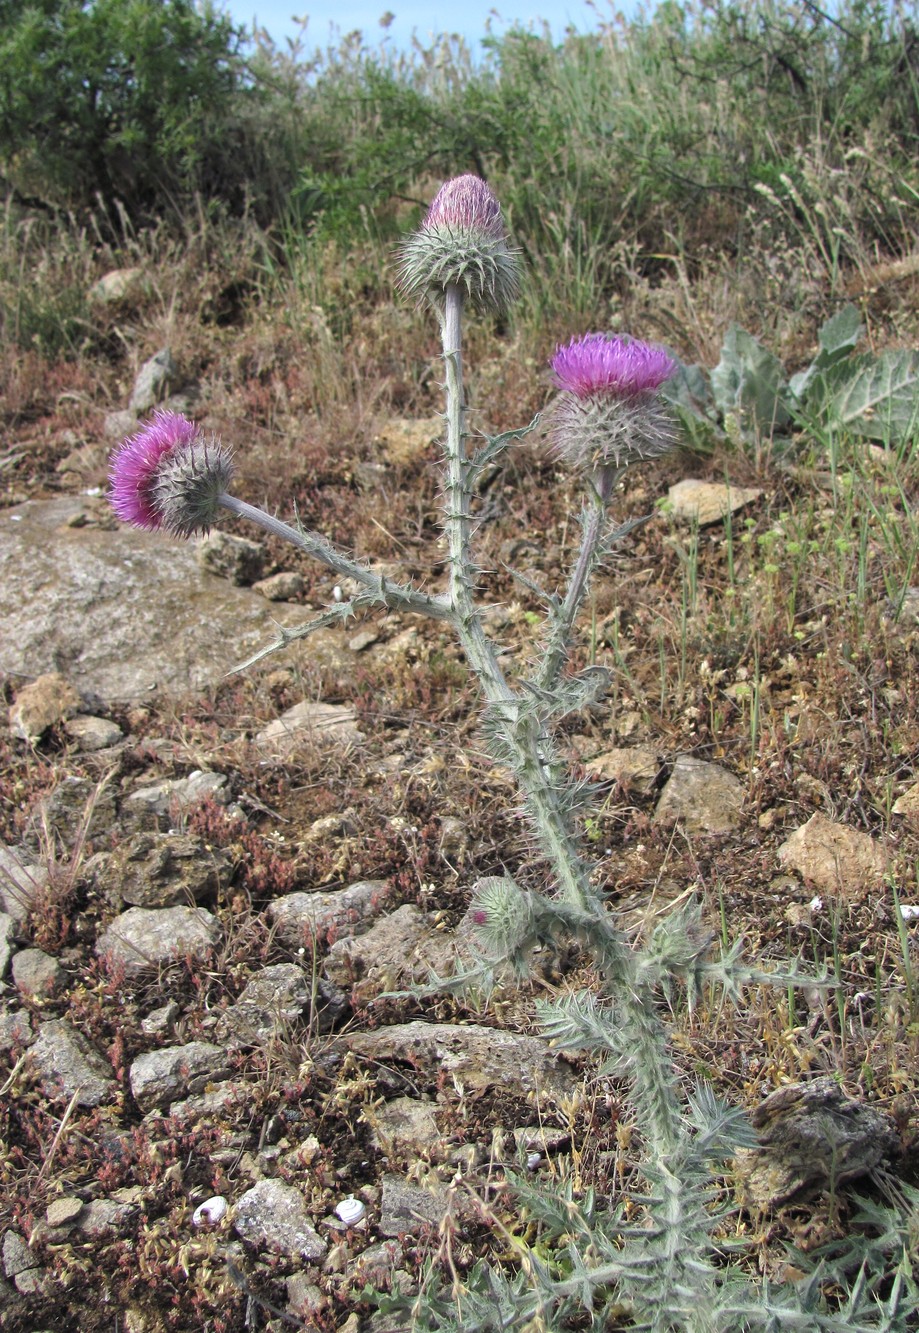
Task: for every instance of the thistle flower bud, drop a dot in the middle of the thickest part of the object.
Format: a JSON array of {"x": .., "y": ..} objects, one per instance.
[
  {"x": 502, "y": 914},
  {"x": 461, "y": 242},
  {"x": 169, "y": 475},
  {"x": 608, "y": 414}
]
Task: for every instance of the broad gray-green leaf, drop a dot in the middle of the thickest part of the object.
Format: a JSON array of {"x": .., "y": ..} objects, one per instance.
[
  {"x": 688, "y": 393},
  {"x": 749, "y": 383},
  {"x": 837, "y": 339},
  {"x": 876, "y": 397},
  {"x": 841, "y": 332}
]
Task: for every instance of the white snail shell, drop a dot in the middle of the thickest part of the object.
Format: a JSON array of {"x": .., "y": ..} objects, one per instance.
[
  {"x": 350, "y": 1210},
  {"x": 210, "y": 1212}
]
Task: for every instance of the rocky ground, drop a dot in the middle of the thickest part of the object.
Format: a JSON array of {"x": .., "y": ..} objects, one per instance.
[{"x": 218, "y": 1111}]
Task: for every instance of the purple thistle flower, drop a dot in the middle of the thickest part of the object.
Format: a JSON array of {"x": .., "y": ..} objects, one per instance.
[
  {"x": 466, "y": 203},
  {"x": 608, "y": 414},
  {"x": 597, "y": 364},
  {"x": 136, "y": 463},
  {"x": 169, "y": 475}
]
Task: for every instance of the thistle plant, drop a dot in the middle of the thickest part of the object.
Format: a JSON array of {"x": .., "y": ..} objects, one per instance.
[{"x": 652, "y": 1263}]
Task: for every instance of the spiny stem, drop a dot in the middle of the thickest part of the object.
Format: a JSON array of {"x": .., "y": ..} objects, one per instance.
[
  {"x": 594, "y": 526},
  {"x": 398, "y": 596}
]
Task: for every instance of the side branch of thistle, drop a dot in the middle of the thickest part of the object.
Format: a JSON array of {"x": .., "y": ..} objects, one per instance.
[{"x": 395, "y": 596}]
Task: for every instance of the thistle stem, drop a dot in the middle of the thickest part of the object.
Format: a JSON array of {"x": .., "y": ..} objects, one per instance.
[
  {"x": 397, "y": 596},
  {"x": 594, "y": 524}
]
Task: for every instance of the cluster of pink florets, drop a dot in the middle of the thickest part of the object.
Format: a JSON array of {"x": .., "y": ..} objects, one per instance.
[
  {"x": 610, "y": 366},
  {"x": 169, "y": 475}
]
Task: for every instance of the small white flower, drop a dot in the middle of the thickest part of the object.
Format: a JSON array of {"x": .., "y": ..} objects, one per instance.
[
  {"x": 909, "y": 911},
  {"x": 816, "y": 904}
]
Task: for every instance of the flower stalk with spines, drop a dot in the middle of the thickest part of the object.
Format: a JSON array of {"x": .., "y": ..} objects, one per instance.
[{"x": 169, "y": 476}]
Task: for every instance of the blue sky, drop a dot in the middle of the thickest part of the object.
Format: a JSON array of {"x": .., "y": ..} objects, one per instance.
[{"x": 423, "y": 16}]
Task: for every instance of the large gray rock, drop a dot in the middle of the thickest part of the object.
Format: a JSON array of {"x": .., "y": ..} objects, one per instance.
[
  {"x": 68, "y": 1064},
  {"x": 273, "y": 1215},
  {"x": 145, "y": 937},
  {"x": 120, "y": 612}
]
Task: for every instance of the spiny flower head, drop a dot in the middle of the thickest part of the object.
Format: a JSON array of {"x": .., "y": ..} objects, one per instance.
[
  {"x": 502, "y": 914},
  {"x": 461, "y": 242},
  {"x": 169, "y": 475},
  {"x": 608, "y": 414}
]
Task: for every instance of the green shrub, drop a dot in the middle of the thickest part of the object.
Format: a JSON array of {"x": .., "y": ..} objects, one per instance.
[{"x": 134, "y": 104}]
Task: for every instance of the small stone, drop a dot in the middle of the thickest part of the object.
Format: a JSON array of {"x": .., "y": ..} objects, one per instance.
[
  {"x": 20, "y": 881},
  {"x": 160, "y": 1077},
  {"x": 304, "y": 1299},
  {"x": 706, "y": 502},
  {"x": 17, "y": 1257},
  {"x": 478, "y": 1057},
  {"x": 93, "y": 733},
  {"x": 75, "y": 809},
  {"x": 119, "y": 284},
  {"x": 358, "y": 642},
  {"x": 704, "y": 798},
  {"x": 104, "y": 1217},
  {"x": 908, "y": 804},
  {"x": 118, "y": 425},
  {"x": 62, "y": 1211},
  {"x": 283, "y": 587},
  {"x": 404, "y": 1124},
  {"x": 399, "y": 948},
  {"x": 300, "y": 917},
  {"x": 154, "y": 381},
  {"x": 274, "y": 1215},
  {"x": 160, "y": 1021},
  {"x": 404, "y": 1207},
  {"x": 454, "y": 836},
  {"x": 812, "y": 1137},
  {"x": 48, "y": 701},
  {"x": 145, "y": 937},
  {"x": 176, "y": 797},
  {"x": 406, "y": 440},
  {"x": 834, "y": 858},
  {"x": 7, "y": 931},
  {"x": 376, "y": 1263},
  {"x": 272, "y": 1004},
  {"x": 37, "y": 974},
  {"x": 237, "y": 559},
  {"x": 15, "y": 1029},
  {"x": 314, "y": 723},
  {"x": 163, "y": 870},
  {"x": 632, "y": 767},
  {"x": 69, "y": 1065}
]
